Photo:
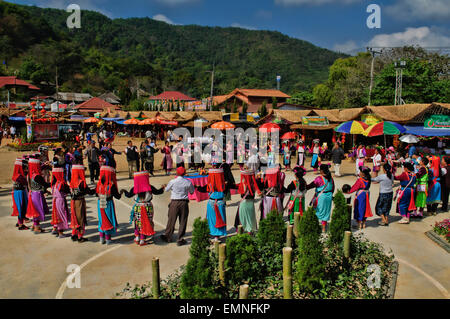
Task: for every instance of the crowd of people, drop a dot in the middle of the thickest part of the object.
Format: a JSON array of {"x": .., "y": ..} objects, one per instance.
[{"x": 424, "y": 183}]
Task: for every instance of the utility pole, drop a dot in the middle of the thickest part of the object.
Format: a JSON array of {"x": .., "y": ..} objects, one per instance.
[
  {"x": 57, "y": 90},
  {"x": 372, "y": 52},
  {"x": 399, "y": 66},
  {"x": 212, "y": 85}
]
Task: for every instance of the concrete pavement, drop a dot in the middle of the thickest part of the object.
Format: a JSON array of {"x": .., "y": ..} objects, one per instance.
[{"x": 34, "y": 266}]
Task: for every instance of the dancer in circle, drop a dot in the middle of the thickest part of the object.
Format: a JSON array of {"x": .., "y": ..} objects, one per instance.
[
  {"x": 60, "y": 211},
  {"x": 20, "y": 194},
  {"x": 361, "y": 204},
  {"x": 37, "y": 205},
  {"x": 246, "y": 214},
  {"x": 297, "y": 188},
  {"x": 405, "y": 196}
]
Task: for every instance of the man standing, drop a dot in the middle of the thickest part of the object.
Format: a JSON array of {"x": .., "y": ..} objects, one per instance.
[
  {"x": 92, "y": 153},
  {"x": 337, "y": 154},
  {"x": 179, "y": 206},
  {"x": 132, "y": 159},
  {"x": 150, "y": 157}
]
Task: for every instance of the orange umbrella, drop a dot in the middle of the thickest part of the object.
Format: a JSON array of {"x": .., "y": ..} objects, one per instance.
[
  {"x": 147, "y": 122},
  {"x": 91, "y": 120},
  {"x": 131, "y": 122},
  {"x": 223, "y": 125},
  {"x": 289, "y": 136}
]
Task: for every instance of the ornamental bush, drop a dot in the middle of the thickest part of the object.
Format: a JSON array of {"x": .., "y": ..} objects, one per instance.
[
  {"x": 310, "y": 265},
  {"x": 241, "y": 263},
  {"x": 271, "y": 238},
  {"x": 197, "y": 281},
  {"x": 339, "y": 220}
]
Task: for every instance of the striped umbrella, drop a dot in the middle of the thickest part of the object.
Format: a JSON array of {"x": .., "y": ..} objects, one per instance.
[
  {"x": 352, "y": 127},
  {"x": 384, "y": 128}
]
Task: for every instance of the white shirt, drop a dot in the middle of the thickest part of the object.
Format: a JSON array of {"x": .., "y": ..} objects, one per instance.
[
  {"x": 377, "y": 160},
  {"x": 180, "y": 188}
]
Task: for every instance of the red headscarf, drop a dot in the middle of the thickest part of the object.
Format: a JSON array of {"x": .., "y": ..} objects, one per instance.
[
  {"x": 216, "y": 180},
  {"x": 34, "y": 167},
  {"x": 272, "y": 177},
  {"x": 18, "y": 170},
  {"x": 78, "y": 177},
  {"x": 58, "y": 174},
  {"x": 141, "y": 182},
  {"x": 106, "y": 180},
  {"x": 248, "y": 183}
]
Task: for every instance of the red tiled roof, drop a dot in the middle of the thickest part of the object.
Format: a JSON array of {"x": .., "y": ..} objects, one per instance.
[
  {"x": 260, "y": 93},
  {"x": 172, "y": 95},
  {"x": 14, "y": 81},
  {"x": 96, "y": 104}
]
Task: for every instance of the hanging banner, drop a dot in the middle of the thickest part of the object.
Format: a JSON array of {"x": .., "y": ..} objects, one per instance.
[
  {"x": 46, "y": 132},
  {"x": 370, "y": 119},
  {"x": 437, "y": 121},
  {"x": 315, "y": 120}
]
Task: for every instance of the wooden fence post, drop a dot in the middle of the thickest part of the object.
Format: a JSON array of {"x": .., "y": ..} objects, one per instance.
[
  {"x": 296, "y": 223},
  {"x": 243, "y": 291},
  {"x": 289, "y": 233},
  {"x": 347, "y": 236},
  {"x": 287, "y": 272},
  {"x": 216, "y": 246},
  {"x": 240, "y": 229},
  {"x": 156, "y": 278},
  {"x": 222, "y": 249}
]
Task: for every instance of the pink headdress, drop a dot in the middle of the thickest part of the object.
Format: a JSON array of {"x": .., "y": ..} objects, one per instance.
[{"x": 141, "y": 182}]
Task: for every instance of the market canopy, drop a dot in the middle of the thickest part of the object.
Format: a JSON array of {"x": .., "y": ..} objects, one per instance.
[
  {"x": 421, "y": 131},
  {"x": 131, "y": 122},
  {"x": 91, "y": 120}
]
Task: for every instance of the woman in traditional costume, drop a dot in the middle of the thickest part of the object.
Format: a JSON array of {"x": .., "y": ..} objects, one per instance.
[
  {"x": 167, "y": 162},
  {"x": 301, "y": 153},
  {"x": 78, "y": 191},
  {"x": 405, "y": 196},
  {"x": 273, "y": 186},
  {"x": 106, "y": 190},
  {"x": 297, "y": 189},
  {"x": 287, "y": 156},
  {"x": 361, "y": 204},
  {"x": 360, "y": 156},
  {"x": 246, "y": 215},
  {"x": 323, "y": 198},
  {"x": 142, "y": 211},
  {"x": 434, "y": 185},
  {"x": 421, "y": 187},
  {"x": 60, "y": 211},
  {"x": 20, "y": 194},
  {"x": 216, "y": 208},
  {"x": 316, "y": 150},
  {"x": 37, "y": 206}
]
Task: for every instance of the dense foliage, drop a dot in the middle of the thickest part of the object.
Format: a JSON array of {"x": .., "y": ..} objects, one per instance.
[
  {"x": 340, "y": 220},
  {"x": 310, "y": 266},
  {"x": 156, "y": 56},
  {"x": 197, "y": 280}
]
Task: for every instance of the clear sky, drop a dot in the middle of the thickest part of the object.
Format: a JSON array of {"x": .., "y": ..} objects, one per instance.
[{"x": 335, "y": 24}]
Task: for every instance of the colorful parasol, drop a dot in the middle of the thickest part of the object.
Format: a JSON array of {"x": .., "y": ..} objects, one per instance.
[
  {"x": 222, "y": 125},
  {"x": 384, "y": 128},
  {"x": 352, "y": 127},
  {"x": 289, "y": 136},
  {"x": 269, "y": 127},
  {"x": 131, "y": 122},
  {"x": 147, "y": 122},
  {"x": 91, "y": 120},
  {"x": 410, "y": 139}
]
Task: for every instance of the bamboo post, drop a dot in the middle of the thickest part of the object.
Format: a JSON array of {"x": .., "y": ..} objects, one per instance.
[
  {"x": 290, "y": 230},
  {"x": 216, "y": 246},
  {"x": 156, "y": 278},
  {"x": 240, "y": 230},
  {"x": 287, "y": 272},
  {"x": 222, "y": 249},
  {"x": 243, "y": 291},
  {"x": 349, "y": 214},
  {"x": 347, "y": 236},
  {"x": 296, "y": 223}
]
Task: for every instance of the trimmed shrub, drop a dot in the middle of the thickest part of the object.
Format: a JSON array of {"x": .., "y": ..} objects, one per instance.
[
  {"x": 241, "y": 263},
  {"x": 197, "y": 281},
  {"x": 310, "y": 266},
  {"x": 339, "y": 219},
  {"x": 271, "y": 238}
]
